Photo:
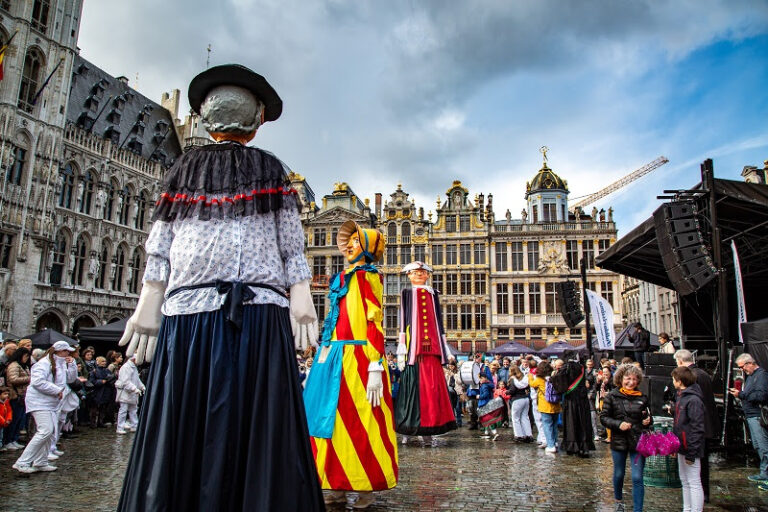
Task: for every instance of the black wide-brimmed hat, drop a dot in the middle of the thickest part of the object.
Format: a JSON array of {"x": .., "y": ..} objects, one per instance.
[{"x": 241, "y": 76}]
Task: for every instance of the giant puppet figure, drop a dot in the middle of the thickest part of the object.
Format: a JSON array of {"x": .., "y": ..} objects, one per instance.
[
  {"x": 223, "y": 426},
  {"x": 423, "y": 405},
  {"x": 349, "y": 409}
]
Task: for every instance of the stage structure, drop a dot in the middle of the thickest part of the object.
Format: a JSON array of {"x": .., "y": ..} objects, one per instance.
[{"x": 686, "y": 245}]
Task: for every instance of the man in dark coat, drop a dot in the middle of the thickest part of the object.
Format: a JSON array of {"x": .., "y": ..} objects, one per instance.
[
  {"x": 753, "y": 394},
  {"x": 641, "y": 342},
  {"x": 570, "y": 382},
  {"x": 712, "y": 421}
]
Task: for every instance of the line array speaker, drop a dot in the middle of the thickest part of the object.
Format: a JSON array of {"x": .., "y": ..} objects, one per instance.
[
  {"x": 683, "y": 246},
  {"x": 568, "y": 299}
]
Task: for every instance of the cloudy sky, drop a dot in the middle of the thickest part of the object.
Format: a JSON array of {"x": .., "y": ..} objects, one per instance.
[{"x": 425, "y": 92}]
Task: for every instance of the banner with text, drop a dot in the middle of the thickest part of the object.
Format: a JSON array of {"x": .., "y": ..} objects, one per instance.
[
  {"x": 742, "y": 308},
  {"x": 602, "y": 319}
]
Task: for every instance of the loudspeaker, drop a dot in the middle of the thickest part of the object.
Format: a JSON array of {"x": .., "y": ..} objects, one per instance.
[
  {"x": 660, "y": 391},
  {"x": 568, "y": 301},
  {"x": 658, "y": 371},
  {"x": 659, "y": 359},
  {"x": 683, "y": 247}
]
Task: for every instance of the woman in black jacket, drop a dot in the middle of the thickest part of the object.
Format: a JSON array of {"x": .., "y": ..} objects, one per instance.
[
  {"x": 690, "y": 427},
  {"x": 626, "y": 413}
]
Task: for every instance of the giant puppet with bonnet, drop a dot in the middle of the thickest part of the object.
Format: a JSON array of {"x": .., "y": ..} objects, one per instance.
[
  {"x": 349, "y": 409},
  {"x": 423, "y": 405},
  {"x": 223, "y": 425}
]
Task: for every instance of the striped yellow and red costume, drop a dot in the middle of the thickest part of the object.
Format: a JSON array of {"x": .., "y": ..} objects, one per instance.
[{"x": 361, "y": 455}]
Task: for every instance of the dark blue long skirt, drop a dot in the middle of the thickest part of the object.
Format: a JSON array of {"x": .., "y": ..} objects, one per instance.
[{"x": 222, "y": 427}]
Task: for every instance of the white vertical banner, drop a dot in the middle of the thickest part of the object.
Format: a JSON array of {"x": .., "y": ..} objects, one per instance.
[
  {"x": 741, "y": 306},
  {"x": 602, "y": 319}
]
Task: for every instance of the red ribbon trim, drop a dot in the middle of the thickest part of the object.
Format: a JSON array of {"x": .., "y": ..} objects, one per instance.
[{"x": 184, "y": 198}]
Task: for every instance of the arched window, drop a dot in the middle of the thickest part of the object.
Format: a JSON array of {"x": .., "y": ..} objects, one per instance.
[
  {"x": 124, "y": 203},
  {"x": 101, "y": 280},
  {"x": 67, "y": 186},
  {"x": 81, "y": 249},
  {"x": 86, "y": 196},
  {"x": 141, "y": 208},
  {"x": 30, "y": 79},
  {"x": 109, "y": 201},
  {"x": 16, "y": 169},
  {"x": 119, "y": 261},
  {"x": 59, "y": 260},
  {"x": 405, "y": 233},
  {"x": 392, "y": 233},
  {"x": 135, "y": 271}
]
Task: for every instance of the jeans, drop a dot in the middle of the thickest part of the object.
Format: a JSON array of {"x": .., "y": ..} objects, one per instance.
[
  {"x": 549, "y": 424},
  {"x": 640, "y": 358},
  {"x": 690, "y": 476},
  {"x": 18, "y": 421},
  {"x": 36, "y": 451},
  {"x": 520, "y": 422},
  {"x": 759, "y": 437},
  {"x": 636, "y": 464}
]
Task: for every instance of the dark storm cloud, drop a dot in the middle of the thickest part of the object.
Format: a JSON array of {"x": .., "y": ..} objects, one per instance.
[{"x": 424, "y": 92}]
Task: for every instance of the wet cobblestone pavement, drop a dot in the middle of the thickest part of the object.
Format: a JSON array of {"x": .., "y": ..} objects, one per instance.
[{"x": 466, "y": 473}]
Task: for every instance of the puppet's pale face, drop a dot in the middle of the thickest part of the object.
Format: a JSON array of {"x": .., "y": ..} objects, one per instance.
[
  {"x": 418, "y": 277},
  {"x": 353, "y": 248}
]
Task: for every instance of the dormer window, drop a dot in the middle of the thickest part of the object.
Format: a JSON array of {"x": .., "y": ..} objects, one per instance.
[
  {"x": 135, "y": 145},
  {"x": 138, "y": 128},
  {"x": 92, "y": 103},
  {"x": 85, "y": 121},
  {"x": 114, "y": 116},
  {"x": 112, "y": 134}
]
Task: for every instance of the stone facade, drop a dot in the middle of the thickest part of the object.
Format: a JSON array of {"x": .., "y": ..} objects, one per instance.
[
  {"x": 496, "y": 278},
  {"x": 546, "y": 245},
  {"x": 82, "y": 164}
]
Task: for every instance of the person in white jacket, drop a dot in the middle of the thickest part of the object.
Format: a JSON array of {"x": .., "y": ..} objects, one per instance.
[
  {"x": 48, "y": 385},
  {"x": 129, "y": 388}
]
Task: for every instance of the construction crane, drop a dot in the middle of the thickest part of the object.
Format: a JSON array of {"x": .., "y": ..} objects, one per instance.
[{"x": 616, "y": 185}]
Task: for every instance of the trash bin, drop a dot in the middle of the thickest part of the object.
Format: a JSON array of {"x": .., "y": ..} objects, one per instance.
[{"x": 661, "y": 470}]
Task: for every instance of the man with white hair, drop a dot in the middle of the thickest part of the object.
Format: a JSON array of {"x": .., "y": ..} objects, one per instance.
[
  {"x": 752, "y": 395},
  {"x": 712, "y": 422}
]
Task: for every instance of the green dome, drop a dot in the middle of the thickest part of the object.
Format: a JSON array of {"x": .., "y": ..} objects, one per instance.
[{"x": 545, "y": 179}]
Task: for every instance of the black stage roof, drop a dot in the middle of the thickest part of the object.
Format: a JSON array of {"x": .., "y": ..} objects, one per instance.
[{"x": 742, "y": 213}]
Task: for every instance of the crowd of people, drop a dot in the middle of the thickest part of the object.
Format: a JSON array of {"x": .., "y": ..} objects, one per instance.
[
  {"x": 46, "y": 394},
  {"x": 560, "y": 404}
]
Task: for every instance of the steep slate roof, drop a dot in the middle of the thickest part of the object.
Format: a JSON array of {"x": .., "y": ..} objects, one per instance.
[{"x": 108, "y": 107}]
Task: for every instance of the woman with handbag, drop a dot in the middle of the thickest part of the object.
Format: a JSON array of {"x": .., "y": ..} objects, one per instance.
[{"x": 625, "y": 412}]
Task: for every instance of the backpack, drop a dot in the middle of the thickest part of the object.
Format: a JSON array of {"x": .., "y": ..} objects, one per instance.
[{"x": 550, "y": 395}]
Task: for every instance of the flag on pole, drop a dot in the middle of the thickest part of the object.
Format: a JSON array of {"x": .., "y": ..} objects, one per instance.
[
  {"x": 602, "y": 318},
  {"x": 741, "y": 306},
  {"x": 2, "y": 54},
  {"x": 45, "y": 84}
]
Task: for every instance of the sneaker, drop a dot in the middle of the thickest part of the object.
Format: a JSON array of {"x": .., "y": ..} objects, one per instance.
[
  {"x": 131, "y": 429},
  {"x": 46, "y": 468},
  {"x": 23, "y": 468},
  {"x": 758, "y": 478},
  {"x": 16, "y": 446},
  {"x": 52, "y": 456},
  {"x": 405, "y": 440},
  {"x": 763, "y": 487},
  {"x": 542, "y": 445},
  {"x": 619, "y": 507},
  {"x": 495, "y": 437},
  {"x": 597, "y": 438},
  {"x": 485, "y": 437},
  {"x": 551, "y": 449},
  {"x": 58, "y": 452},
  {"x": 5, "y": 448},
  {"x": 120, "y": 431}
]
